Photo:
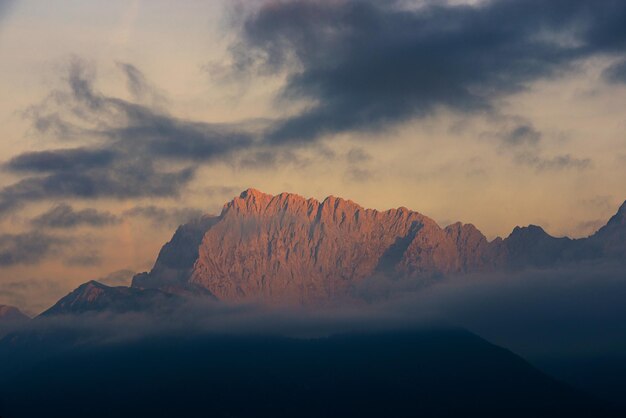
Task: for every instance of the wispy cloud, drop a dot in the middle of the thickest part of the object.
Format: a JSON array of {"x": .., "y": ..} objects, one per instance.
[
  {"x": 28, "y": 248},
  {"x": 64, "y": 216},
  {"x": 616, "y": 73},
  {"x": 136, "y": 150}
]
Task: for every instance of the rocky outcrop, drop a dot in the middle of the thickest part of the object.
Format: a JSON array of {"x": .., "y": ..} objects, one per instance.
[{"x": 287, "y": 248}]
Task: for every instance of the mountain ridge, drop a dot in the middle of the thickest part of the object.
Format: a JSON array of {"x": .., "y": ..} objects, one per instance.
[{"x": 288, "y": 249}]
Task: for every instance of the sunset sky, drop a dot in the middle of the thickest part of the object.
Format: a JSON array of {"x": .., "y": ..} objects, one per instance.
[{"x": 119, "y": 120}]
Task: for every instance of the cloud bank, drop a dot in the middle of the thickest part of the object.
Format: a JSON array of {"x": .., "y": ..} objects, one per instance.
[{"x": 364, "y": 65}]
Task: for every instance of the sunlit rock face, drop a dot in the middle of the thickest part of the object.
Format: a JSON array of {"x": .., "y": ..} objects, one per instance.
[
  {"x": 286, "y": 247},
  {"x": 289, "y": 249}
]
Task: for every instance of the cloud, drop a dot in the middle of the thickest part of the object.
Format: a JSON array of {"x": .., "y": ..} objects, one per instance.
[
  {"x": 569, "y": 310},
  {"x": 5, "y": 8},
  {"x": 520, "y": 139},
  {"x": 523, "y": 134},
  {"x": 616, "y": 73},
  {"x": 61, "y": 160},
  {"x": 559, "y": 162},
  {"x": 64, "y": 216},
  {"x": 364, "y": 65},
  {"x": 136, "y": 150},
  {"x": 28, "y": 248},
  {"x": 164, "y": 216},
  {"x": 139, "y": 86},
  {"x": 123, "y": 178},
  {"x": 117, "y": 278}
]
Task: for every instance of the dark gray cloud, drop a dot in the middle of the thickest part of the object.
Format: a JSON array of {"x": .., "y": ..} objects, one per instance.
[
  {"x": 136, "y": 151},
  {"x": 364, "y": 64},
  {"x": 64, "y": 216},
  {"x": 523, "y": 134},
  {"x": 61, "y": 160},
  {"x": 28, "y": 248},
  {"x": 523, "y": 142},
  {"x": 123, "y": 178},
  {"x": 616, "y": 73},
  {"x": 136, "y": 82}
]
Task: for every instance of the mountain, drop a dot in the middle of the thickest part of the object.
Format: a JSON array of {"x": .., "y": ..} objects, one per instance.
[
  {"x": 427, "y": 372},
  {"x": 11, "y": 314},
  {"x": 96, "y": 297},
  {"x": 287, "y": 248}
]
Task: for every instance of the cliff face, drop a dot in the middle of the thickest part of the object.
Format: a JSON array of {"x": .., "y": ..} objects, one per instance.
[
  {"x": 289, "y": 249},
  {"x": 286, "y": 247}
]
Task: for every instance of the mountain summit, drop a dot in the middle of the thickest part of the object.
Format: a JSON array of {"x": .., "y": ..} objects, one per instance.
[{"x": 286, "y": 248}]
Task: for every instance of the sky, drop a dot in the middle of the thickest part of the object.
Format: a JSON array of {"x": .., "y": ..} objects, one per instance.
[{"x": 119, "y": 120}]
